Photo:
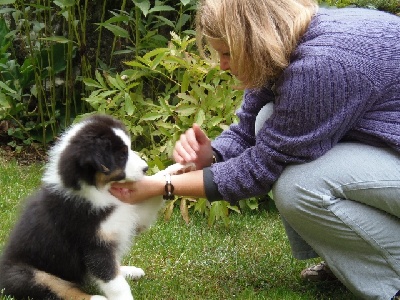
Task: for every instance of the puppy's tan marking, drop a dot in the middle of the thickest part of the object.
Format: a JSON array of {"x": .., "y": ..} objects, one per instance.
[
  {"x": 105, "y": 169},
  {"x": 102, "y": 179},
  {"x": 107, "y": 237},
  {"x": 63, "y": 289}
]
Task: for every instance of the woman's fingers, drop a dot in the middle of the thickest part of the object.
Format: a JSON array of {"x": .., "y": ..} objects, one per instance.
[
  {"x": 193, "y": 146},
  {"x": 124, "y": 194},
  {"x": 200, "y": 135}
]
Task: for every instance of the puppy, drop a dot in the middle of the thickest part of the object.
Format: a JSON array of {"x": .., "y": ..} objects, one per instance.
[{"x": 73, "y": 228}]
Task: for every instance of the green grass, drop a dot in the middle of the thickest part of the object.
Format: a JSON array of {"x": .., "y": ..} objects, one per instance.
[{"x": 248, "y": 260}]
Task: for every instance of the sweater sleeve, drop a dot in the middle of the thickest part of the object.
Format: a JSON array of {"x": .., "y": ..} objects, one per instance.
[{"x": 318, "y": 100}]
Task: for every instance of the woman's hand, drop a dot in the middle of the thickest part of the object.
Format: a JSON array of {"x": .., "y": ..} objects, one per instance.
[
  {"x": 194, "y": 146},
  {"x": 138, "y": 191}
]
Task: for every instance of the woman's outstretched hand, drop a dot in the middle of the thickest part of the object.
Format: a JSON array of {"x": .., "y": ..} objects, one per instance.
[
  {"x": 194, "y": 147},
  {"x": 138, "y": 191}
]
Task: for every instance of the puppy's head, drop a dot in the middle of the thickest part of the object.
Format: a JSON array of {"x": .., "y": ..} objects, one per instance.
[{"x": 94, "y": 152}]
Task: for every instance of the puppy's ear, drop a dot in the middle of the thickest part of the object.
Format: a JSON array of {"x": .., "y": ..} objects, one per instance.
[
  {"x": 105, "y": 169},
  {"x": 82, "y": 162},
  {"x": 99, "y": 157}
]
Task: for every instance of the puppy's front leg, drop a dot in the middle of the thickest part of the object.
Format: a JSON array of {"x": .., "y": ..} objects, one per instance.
[
  {"x": 116, "y": 289},
  {"x": 131, "y": 272},
  {"x": 103, "y": 266}
]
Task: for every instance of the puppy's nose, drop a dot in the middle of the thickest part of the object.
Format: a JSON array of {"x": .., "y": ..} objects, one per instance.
[{"x": 145, "y": 169}]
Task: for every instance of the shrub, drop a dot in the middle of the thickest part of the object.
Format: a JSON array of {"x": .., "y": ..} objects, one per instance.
[{"x": 188, "y": 90}]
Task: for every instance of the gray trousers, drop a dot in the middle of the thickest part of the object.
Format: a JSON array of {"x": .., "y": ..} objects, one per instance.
[{"x": 345, "y": 208}]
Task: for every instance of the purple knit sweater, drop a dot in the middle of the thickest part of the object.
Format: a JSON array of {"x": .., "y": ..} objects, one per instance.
[{"x": 343, "y": 83}]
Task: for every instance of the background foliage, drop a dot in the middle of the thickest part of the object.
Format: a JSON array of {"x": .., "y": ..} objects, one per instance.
[{"x": 134, "y": 59}]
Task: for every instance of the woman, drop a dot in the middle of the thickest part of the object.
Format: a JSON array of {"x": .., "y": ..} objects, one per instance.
[{"x": 319, "y": 125}]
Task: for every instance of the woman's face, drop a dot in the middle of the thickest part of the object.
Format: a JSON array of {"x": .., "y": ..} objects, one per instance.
[{"x": 224, "y": 55}]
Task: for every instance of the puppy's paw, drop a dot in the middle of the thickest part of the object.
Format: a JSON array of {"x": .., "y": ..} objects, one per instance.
[
  {"x": 121, "y": 297},
  {"x": 131, "y": 272},
  {"x": 97, "y": 297}
]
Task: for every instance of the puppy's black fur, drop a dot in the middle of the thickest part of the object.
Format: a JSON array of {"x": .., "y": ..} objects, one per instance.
[{"x": 73, "y": 228}]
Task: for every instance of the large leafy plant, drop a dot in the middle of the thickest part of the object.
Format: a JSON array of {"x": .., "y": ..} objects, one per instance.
[
  {"x": 184, "y": 89},
  {"x": 28, "y": 69},
  {"x": 146, "y": 25},
  {"x": 47, "y": 47},
  {"x": 392, "y": 6}
]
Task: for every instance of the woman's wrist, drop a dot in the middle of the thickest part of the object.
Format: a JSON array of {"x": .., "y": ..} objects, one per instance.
[
  {"x": 214, "y": 158},
  {"x": 156, "y": 185},
  {"x": 168, "y": 188}
]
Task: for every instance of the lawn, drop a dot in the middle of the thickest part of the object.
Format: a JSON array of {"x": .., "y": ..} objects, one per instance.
[{"x": 250, "y": 259}]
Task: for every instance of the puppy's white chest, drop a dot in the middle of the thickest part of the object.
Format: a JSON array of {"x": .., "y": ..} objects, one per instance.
[{"x": 119, "y": 227}]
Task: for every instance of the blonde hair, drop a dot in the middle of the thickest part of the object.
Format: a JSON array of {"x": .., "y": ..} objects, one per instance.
[{"x": 261, "y": 34}]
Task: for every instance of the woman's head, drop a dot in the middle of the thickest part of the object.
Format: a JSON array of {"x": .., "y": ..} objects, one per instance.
[{"x": 260, "y": 35}]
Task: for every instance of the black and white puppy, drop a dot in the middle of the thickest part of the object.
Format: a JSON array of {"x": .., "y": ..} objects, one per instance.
[{"x": 73, "y": 228}]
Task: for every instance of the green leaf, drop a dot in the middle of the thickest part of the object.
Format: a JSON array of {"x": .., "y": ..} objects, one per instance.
[
  {"x": 115, "y": 19},
  {"x": 107, "y": 94},
  {"x": 4, "y": 102},
  {"x": 156, "y": 61},
  {"x": 161, "y": 8},
  {"x": 135, "y": 63},
  {"x": 236, "y": 209},
  {"x": 200, "y": 117},
  {"x": 64, "y": 3},
  {"x": 187, "y": 98},
  {"x": 201, "y": 205},
  {"x": 129, "y": 107},
  {"x": 151, "y": 116},
  {"x": 155, "y": 52},
  {"x": 185, "y": 82},
  {"x": 143, "y": 5},
  {"x": 182, "y": 21},
  {"x": 92, "y": 83},
  {"x": 218, "y": 210},
  {"x": 116, "y": 30},
  {"x": 57, "y": 39},
  {"x": 214, "y": 121},
  {"x": 7, "y": 88},
  {"x": 180, "y": 62},
  {"x": 6, "y": 10},
  {"x": 165, "y": 21},
  {"x": 185, "y": 110},
  {"x": 6, "y": 2},
  {"x": 100, "y": 79},
  {"x": 114, "y": 82},
  {"x": 165, "y": 106},
  {"x": 120, "y": 82}
]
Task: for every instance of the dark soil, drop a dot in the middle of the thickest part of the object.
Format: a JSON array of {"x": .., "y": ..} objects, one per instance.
[
  {"x": 26, "y": 156},
  {"x": 23, "y": 154}
]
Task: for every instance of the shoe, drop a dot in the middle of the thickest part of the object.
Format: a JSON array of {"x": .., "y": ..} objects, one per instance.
[
  {"x": 397, "y": 296},
  {"x": 317, "y": 273}
]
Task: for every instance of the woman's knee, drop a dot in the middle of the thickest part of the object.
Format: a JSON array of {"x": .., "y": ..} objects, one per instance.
[
  {"x": 264, "y": 114},
  {"x": 299, "y": 190},
  {"x": 285, "y": 192}
]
